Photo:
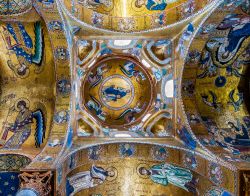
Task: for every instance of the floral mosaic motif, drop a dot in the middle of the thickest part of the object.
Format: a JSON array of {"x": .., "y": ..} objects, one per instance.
[
  {"x": 159, "y": 153},
  {"x": 63, "y": 87},
  {"x": 61, "y": 117},
  {"x": 94, "y": 153},
  {"x": 127, "y": 150},
  {"x": 217, "y": 191},
  {"x": 13, "y": 162},
  {"x": 14, "y": 6},
  {"x": 215, "y": 173},
  {"x": 189, "y": 160},
  {"x": 55, "y": 26}
]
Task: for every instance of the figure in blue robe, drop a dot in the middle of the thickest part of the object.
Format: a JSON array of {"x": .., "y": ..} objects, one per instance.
[
  {"x": 239, "y": 31},
  {"x": 165, "y": 174},
  {"x": 187, "y": 138},
  {"x": 112, "y": 93},
  {"x": 95, "y": 105},
  {"x": 153, "y": 5},
  {"x": 46, "y": 2},
  {"x": 242, "y": 136},
  {"x": 27, "y": 52},
  {"x": 128, "y": 68},
  {"x": 22, "y": 127}
]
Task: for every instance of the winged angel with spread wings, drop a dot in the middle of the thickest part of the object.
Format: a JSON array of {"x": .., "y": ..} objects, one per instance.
[{"x": 22, "y": 127}]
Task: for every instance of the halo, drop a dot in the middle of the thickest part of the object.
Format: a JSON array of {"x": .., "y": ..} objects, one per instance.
[
  {"x": 22, "y": 99},
  {"x": 136, "y": 9},
  {"x": 138, "y": 167},
  {"x": 113, "y": 177}
]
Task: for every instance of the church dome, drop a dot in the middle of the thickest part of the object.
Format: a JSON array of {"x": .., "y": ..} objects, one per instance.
[
  {"x": 119, "y": 93},
  {"x": 12, "y": 7}
]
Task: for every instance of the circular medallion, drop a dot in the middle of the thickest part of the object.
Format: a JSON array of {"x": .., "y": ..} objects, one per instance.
[
  {"x": 220, "y": 81},
  {"x": 116, "y": 92}
]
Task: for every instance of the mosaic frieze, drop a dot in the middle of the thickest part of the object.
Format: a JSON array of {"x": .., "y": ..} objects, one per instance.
[
  {"x": 151, "y": 170},
  {"x": 133, "y": 15}
]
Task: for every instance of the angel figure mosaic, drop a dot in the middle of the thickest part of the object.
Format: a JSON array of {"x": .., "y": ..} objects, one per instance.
[
  {"x": 28, "y": 51},
  {"x": 22, "y": 127}
]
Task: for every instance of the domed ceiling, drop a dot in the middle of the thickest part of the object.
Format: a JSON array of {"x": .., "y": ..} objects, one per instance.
[
  {"x": 133, "y": 15},
  {"x": 124, "y": 97},
  {"x": 216, "y": 81},
  {"x": 123, "y": 88},
  {"x": 118, "y": 90}
]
